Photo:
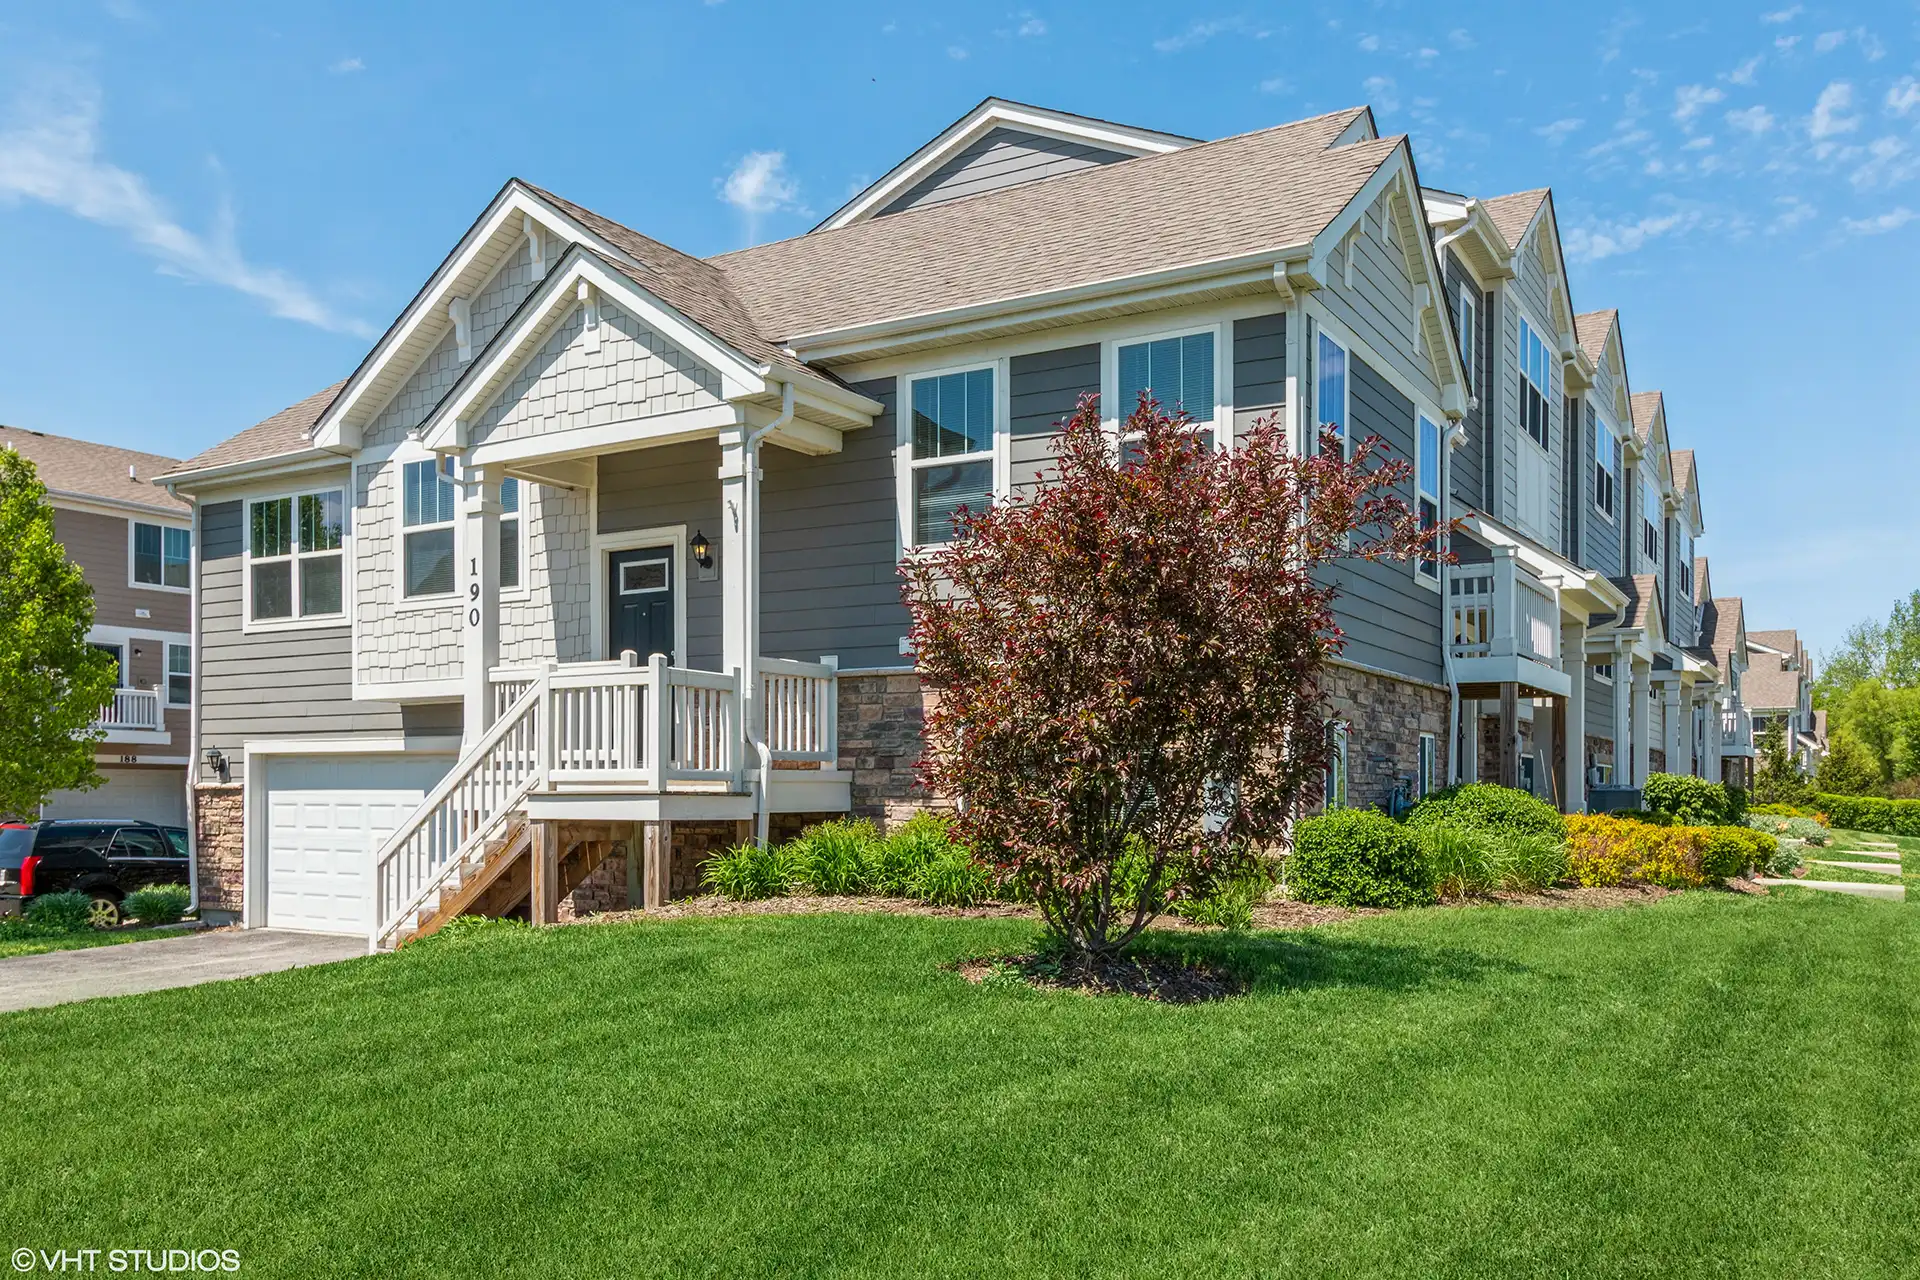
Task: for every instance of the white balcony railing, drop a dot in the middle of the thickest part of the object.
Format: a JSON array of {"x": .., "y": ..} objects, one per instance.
[
  {"x": 137, "y": 709},
  {"x": 800, "y": 705},
  {"x": 1498, "y": 610}
]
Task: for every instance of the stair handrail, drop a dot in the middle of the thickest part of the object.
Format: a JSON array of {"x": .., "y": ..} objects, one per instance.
[{"x": 526, "y": 707}]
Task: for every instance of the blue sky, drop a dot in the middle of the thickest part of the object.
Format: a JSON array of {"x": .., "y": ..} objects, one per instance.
[{"x": 210, "y": 209}]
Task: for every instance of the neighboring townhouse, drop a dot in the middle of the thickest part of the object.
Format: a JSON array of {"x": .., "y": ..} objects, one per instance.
[
  {"x": 1779, "y": 690},
  {"x": 1723, "y": 634},
  {"x": 590, "y": 565},
  {"x": 134, "y": 543}
]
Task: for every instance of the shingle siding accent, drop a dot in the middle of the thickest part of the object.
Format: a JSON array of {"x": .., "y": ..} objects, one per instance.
[
  {"x": 274, "y": 684},
  {"x": 415, "y": 643},
  {"x": 1259, "y": 369},
  {"x": 555, "y": 620},
  {"x": 829, "y": 548},
  {"x": 1003, "y": 158},
  {"x": 1043, "y": 389}
]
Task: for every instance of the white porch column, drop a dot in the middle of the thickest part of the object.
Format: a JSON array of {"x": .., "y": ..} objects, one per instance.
[
  {"x": 740, "y": 578},
  {"x": 479, "y": 595},
  {"x": 1622, "y": 718},
  {"x": 1642, "y": 722},
  {"x": 1573, "y": 766},
  {"x": 1677, "y": 745},
  {"x": 1716, "y": 741}
]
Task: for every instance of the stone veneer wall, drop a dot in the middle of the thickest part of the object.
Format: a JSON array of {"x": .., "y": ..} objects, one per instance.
[
  {"x": 1385, "y": 718},
  {"x": 882, "y": 717},
  {"x": 218, "y": 846}
]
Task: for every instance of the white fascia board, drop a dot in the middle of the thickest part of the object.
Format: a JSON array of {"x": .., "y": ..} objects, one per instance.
[
  {"x": 1050, "y": 305},
  {"x": 739, "y": 377},
  {"x": 67, "y": 500},
  {"x": 280, "y": 464},
  {"x": 988, "y": 116},
  {"x": 585, "y": 442}
]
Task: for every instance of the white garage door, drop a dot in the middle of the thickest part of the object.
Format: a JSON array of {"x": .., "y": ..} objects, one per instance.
[
  {"x": 325, "y": 818},
  {"x": 150, "y": 795}
]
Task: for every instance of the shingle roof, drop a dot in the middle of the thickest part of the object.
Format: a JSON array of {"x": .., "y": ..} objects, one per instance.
[
  {"x": 93, "y": 470},
  {"x": 1720, "y": 620},
  {"x": 1513, "y": 214},
  {"x": 1266, "y": 190},
  {"x": 1702, "y": 582},
  {"x": 1646, "y": 406},
  {"x": 1787, "y": 639},
  {"x": 285, "y": 432},
  {"x": 1682, "y": 463},
  {"x": 1590, "y": 330},
  {"x": 1642, "y": 591}
]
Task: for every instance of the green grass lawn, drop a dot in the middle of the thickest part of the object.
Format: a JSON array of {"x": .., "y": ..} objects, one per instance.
[
  {"x": 1713, "y": 1085},
  {"x": 10, "y": 947}
]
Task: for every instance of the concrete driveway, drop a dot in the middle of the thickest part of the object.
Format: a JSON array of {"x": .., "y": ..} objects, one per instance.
[{"x": 58, "y": 977}]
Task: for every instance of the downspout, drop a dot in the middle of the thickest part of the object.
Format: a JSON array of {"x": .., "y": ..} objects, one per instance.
[
  {"x": 749, "y": 680},
  {"x": 1454, "y": 433},
  {"x": 196, "y": 691}
]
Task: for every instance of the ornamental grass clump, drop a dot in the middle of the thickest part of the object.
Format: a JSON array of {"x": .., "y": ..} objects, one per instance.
[
  {"x": 921, "y": 839},
  {"x": 835, "y": 858},
  {"x": 158, "y": 904},
  {"x": 67, "y": 912},
  {"x": 954, "y": 878},
  {"x": 749, "y": 872},
  {"x": 1466, "y": 863},
  {"x": 1113, "y": 656}
]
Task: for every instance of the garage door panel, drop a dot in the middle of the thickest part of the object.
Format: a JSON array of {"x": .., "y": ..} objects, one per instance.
[{"x": 325, "y": 819}]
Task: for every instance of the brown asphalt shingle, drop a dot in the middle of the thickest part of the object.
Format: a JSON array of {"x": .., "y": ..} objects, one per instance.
[
  {"x": 1513, "y": 214},
  {"x": 1643, "y": 593},
  {"x": 1646, "y": 407},
  {"x": 1590, "y": 330},
  {"x": 93, "y": 470},
  {"x": 1215, "y": 200},
  {"x": 285, "y": 432},
  {"x": 1682, "y": 462}
]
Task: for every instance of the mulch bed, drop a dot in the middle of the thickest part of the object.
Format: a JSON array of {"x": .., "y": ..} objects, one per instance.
[{"x": 1149, "y": 977}]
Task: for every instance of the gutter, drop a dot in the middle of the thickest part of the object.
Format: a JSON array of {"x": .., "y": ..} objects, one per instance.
[{"x": 274, "y": 464}]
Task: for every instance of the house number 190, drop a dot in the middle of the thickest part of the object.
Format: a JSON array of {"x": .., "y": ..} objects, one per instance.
[{"x": 473, "y": 594}]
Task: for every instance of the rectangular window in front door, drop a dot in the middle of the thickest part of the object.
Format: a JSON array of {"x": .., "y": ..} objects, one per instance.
[{"x": 640, "y": 608}]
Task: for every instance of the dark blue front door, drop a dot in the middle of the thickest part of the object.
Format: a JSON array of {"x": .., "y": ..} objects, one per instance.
[{"x": 640, "y": 613}]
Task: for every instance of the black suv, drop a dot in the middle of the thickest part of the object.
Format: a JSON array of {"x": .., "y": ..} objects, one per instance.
[{"x": 104, "y": 858}]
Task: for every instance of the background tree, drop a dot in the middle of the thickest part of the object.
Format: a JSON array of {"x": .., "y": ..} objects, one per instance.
[
  {"x": 1848, "y": 768},
  {"x": 52, "y": 683},
  {"x": 1126, "y": 665},
  {"x": 1778, "y": 779}
]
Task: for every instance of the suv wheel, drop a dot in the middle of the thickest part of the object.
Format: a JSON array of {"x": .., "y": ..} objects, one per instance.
[{"x": 104, "y": 911}]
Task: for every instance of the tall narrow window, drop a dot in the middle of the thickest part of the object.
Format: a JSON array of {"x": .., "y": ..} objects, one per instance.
[
  {"x": 428, "y": 517},
  {"x": 179, "y": 675},
  {"x": 295, "y": 555},
  {"x": 1330, "y": 391},
  {"x": 1603, "y": 468},
  {"x": 952, "y": 461},
  {"x": 1336, "y": 777},
  {"x": 1684, "y": 555},
  {"x": 1467, "y": 321},
  {"x": 1427, "y": 473},
  {"x": 1536, "y": 384},
  {"x": 162, "y": 555},
  {"x": 509, "y": 533},
  {"x": 1427, "y": 754},
  {"x": 1651, "y": 516},
  {"x": 1177, "y": 372}
]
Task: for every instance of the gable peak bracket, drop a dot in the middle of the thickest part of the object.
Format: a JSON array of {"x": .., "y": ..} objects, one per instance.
[
  {"x": 536, "y": 249},
  {"x": 460, "y": 311},
  {"x": 589, "y": 298}
]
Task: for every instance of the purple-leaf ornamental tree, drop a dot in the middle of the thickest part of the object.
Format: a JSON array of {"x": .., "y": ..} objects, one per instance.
[{"x": 1132, "y": 656}]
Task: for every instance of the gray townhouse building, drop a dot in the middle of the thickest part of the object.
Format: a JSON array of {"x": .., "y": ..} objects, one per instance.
[
  {"x": 590, "y": 566},
  {"x": 133, "y": 543}
]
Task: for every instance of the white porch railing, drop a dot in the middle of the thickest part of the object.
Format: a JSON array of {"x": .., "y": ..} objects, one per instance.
[
  {"x": 1499, "y": 609},
  {"x": 800, "y": 704},
  {"x": 133, "y": 709}
]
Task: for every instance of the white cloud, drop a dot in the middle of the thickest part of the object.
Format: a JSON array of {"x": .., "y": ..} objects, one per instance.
[
  {"x": 1889, "y": 163},
  {"x": 1382, "y": 91},
  {"x": 1369, "y": 44},
  {"x": 1793, "y": 212},
  {"x": 1754, "y": 120},
  {"x": 1784, "y": 43},
  {"x": 1891, "y": 220},
  {"x": 1784, "y": 15},
  {"x": 1198, "y": 33},
  {"x": 1460, "y": 38},
  {"x": 1904, "y": 96},
  {"x": 347, "y": 65},
  {"x": 1427, "y": 53},
  {"x": 1557, "y": 132},
  {"x": 1610, "y": 239},
  {"x": 759, "y": 185},
  {"x": 51, "y": 153},
  {"x": 1744, "y": 73},
  {"x": 1829, "y": 117},
  {"x": 1689, "y": 100},
  {"x": 957, "y": 52},
  {"x": 1032, "y": 26},
  {"x": 1828, "y": 41},
  {"x": 1276, "y": 84},
  {"x": 1700, "y": 143}
]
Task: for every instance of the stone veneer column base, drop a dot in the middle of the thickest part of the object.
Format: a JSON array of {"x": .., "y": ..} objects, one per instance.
[
  {"x": 219, "y": 836},
  {"x": 1385, "y": 717},
  {"x": 882, "y": 723}
]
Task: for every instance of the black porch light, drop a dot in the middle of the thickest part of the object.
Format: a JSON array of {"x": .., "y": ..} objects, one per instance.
[{"x": 702, "y": 550}]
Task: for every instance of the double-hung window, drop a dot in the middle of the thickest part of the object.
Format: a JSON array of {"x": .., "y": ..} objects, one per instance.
[
  {"x": 162, "y": 556},
  {"x": 1330, "y": 392},
  {"x": 1467, "y": 321},
  {"x": 1427, "y": 495},
  {"x": 509, "y": 534},
  {"x": 952, "y": 451},
  {"x": 1684, "y": 554},
  {"x": 1606, "y": 468},
  {"x": 429, "y": 508},
  {"x": 295, "y": 557},
  {"x": 179, "y": 675},
  {"x": 1536, "y": 384},
  {"x": 1651, "y": 516},
  {"x": 1175, "y": 372}
]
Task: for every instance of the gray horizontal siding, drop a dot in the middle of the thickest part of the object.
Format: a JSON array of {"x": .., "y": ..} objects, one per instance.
[
  {"x": 1003, "y": 158},
  {"x": 828, "y": 552},
  {"x": 676, "y": 484},
  {"x": 1391, "y": 621},
  {"x": 1600, "y": 533},
  {"x": 279, "y": 684},
  {"x": 1259, "y": 370},
  {"x": 1469, "y": 462},
  {"x": 1044, "y": 389},
  {"x": 1599, "y": 707},
  {"x": 100, "y": 545}
]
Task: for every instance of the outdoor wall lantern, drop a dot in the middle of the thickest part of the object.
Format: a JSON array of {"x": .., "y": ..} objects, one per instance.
[{"x": 702, "y": 550}]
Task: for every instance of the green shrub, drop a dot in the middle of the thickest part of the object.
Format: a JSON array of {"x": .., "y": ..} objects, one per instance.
[
  {"x": 158, "y": 903},
  {"x": 1482, "y": 806},
  {"x": 1806, "y": 830},
  {"x": 1358, "y": 858},
  {"x": 919, "y": 840},
  {"x": 1871, "y": 813},
  {"x": 953, "y": 879},
  {"x": 1783, "y": 811},
  {"x": 1230, "y": 905},
  {"x": 1731, "y": 851},
  {"x": 1691, "y": 801},
  {"x": 835, "y": 857},
  {"x": 1529, "y": 863},
  {"x": 66, "y": 912},
  {"x": 1785, "y": 860},
  {"x": 749, "y": 872}
]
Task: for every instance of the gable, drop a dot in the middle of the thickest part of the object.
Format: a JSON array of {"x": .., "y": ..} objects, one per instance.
[{"x": 1001, "y": 158}]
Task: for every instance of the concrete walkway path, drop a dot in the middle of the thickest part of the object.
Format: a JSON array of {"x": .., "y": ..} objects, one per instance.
[
  {"x": 1893, "y": 892},
  {"x": 1888, "y": 854},
  {"x": 1878, "y": 868},
  {"x": 59, "y": 977}
]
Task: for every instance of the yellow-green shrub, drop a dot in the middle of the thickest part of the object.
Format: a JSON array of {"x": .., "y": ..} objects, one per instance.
[{"x": 1610, "y": 851}]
